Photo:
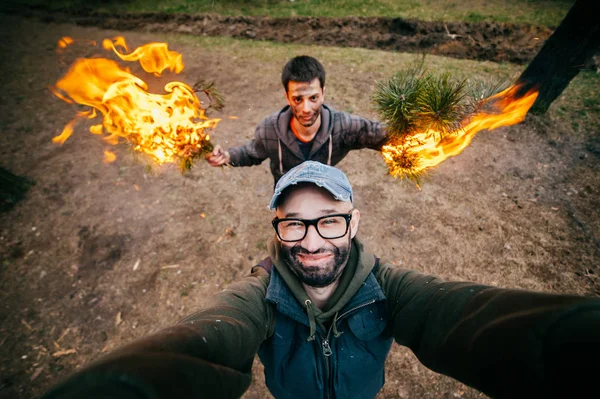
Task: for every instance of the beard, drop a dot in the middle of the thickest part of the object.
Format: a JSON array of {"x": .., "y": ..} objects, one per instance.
[
  {"x": 304, "y": 122},
  {"x": 316, "y": 276}
]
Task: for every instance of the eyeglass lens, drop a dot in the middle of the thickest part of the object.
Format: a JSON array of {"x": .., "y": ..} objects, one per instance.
[{"x": 327, "y": 227}]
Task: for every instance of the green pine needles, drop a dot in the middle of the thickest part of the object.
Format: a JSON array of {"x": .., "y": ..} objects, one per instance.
[
  {"x": 419, "y": 107},
  {"x": 417, "y": 100}
]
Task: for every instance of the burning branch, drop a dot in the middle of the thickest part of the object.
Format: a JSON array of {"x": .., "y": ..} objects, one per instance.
[
  {"x": 168, "y": 127},
  {"x": 430, "y": 118}
]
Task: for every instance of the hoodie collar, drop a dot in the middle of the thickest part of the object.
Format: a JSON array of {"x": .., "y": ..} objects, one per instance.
[
  {"x": 357, "y": 286},
  {"x": 287, "y": 137}
]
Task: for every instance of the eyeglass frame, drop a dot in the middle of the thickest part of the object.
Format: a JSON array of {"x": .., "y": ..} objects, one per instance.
[{"x": 313, "y": 222}]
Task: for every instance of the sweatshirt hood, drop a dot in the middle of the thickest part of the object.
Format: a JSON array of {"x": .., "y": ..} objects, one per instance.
[{"x": 284, "y": 133}]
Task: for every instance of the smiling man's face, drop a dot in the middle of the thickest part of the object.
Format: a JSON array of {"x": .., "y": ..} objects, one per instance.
[{"x": 318, "y": 262}]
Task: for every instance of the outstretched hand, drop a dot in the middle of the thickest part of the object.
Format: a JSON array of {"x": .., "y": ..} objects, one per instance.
[{"x": 218, "y": 157}]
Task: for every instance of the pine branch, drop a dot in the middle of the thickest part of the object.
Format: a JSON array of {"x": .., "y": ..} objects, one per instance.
[
  {"x": 416, "y": 105},
  {"x": 480, "y": 89},
  {"x": 396, "y": 100},
  {"x": 440, "y": 104},
  {"x": 217, "y": 101}
]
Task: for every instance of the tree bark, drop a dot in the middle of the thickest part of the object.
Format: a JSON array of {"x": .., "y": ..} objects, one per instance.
[{"x": 567, "y": 50}]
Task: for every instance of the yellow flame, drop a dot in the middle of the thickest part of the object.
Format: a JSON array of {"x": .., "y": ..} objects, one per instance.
[
  {"x": 65, "y": 41},
  {"x": 109, "y": 156},
  {"x": 430, "y": 148},
  {"x": 153, "y": 57},
  {"x": 165, "y": 126}
]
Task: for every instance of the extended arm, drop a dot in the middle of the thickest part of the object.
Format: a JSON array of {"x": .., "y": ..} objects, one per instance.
[
  {"x": 358, "y": 132},
  {"x": 251, "y": 153},
  {"x": 208, "y": 355},
  {"x": 506, "y": 343}
]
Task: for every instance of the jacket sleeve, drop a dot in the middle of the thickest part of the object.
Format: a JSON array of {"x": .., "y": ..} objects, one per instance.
[
  {"x": 251, "y": 153},
  {"x": 207, "y": 355},
  {"x": 358, "y": 132},
  {"x": 506, "y": 343}
]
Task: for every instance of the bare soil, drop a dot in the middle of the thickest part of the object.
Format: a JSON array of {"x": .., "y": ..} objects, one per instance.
[
  {"x": 486, "y": 41},
  {"x": 100, "y": 254}
]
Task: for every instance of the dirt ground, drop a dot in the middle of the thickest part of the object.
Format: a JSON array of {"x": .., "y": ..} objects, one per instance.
[
  {"x": 99, "y": 254},
  {"x": 489, "y": 41}
]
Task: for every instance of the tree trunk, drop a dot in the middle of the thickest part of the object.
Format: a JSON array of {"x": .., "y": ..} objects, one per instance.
[{"x": 564, "y": 54}]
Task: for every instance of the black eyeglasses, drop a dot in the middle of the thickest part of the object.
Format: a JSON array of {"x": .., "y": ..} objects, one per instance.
[{"x": 328, "y": 227}]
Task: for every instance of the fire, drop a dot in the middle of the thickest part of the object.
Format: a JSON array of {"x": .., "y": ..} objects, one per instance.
[
  {"x": 153, "y": 57},
  {"x": 167, "y": 126},
  {"x": 424, "y": 150}
]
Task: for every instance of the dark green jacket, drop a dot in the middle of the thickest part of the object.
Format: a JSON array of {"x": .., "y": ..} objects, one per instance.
[
  {"x": 506, "y": 343},
  {"x": 328, "y": 347}
]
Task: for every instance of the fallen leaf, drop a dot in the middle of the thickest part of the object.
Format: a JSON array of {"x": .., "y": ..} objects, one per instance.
[
  {"x": 64, "y": 353},
  {"x": 118, "y": 319},
  {"x": 36, "y": 373},
  {"x": 26, "y": 325},
  {"x": 63, "y": 334}
]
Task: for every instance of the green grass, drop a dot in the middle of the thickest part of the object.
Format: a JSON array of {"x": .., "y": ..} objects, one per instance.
[
  {"x": 535, "y": 12},
  {"x": 580, "y": 103}
]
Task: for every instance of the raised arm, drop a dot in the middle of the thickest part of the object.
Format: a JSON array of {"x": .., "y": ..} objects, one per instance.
[
  {"x": 506, "y": 343},
  {"x": 254, "y": 151},
  {"x": 209, "y": 354},
  {"x": 358, "y": 132}
]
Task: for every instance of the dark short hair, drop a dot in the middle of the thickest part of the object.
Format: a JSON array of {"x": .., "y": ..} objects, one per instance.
[{"x": 302, "y": 68}]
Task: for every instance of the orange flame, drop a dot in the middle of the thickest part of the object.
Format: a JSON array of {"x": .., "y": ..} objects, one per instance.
[
  {"x": 109, "y": 156},
  {"x": 428, "y": 149},
  {"x": 153, "y": 57},
  {"x": 65, "y": 41},
  {"x": 166, "y": 126}
]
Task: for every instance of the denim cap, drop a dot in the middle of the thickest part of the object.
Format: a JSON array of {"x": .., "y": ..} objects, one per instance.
[{"x": 330, "y": 178}]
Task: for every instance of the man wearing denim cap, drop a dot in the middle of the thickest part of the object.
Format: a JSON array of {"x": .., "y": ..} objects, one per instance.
[{"x": 321, "y": 312}]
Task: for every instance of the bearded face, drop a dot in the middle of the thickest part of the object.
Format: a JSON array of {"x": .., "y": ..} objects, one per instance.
[
  {"x": 316, "y": 275},
  {"x": 317, "y": 261}
]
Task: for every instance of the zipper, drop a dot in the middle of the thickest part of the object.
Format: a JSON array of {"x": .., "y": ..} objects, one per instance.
[
  {"x": 372, "y": 301},
  {"x": 327, "y": 351},
  {"x": 326, "y": 348}
]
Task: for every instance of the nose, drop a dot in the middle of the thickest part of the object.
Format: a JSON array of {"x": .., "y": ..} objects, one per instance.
[
  {"x": 305, "y": 106},
  {"x": 312, "y": 242}
]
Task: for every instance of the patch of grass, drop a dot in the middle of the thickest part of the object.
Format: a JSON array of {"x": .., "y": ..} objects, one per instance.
[
  {"x": 580, "y": 104},
  {"x": 535, "y": 12}
]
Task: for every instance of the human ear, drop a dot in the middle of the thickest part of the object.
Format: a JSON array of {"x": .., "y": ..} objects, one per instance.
[{"x": 287, "y": 97}]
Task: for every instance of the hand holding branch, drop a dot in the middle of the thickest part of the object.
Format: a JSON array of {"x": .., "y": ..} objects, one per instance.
[{"x": 218, "y": 157}]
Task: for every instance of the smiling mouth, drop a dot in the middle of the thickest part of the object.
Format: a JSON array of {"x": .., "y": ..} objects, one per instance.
[{"x": 314, "y": 259}]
